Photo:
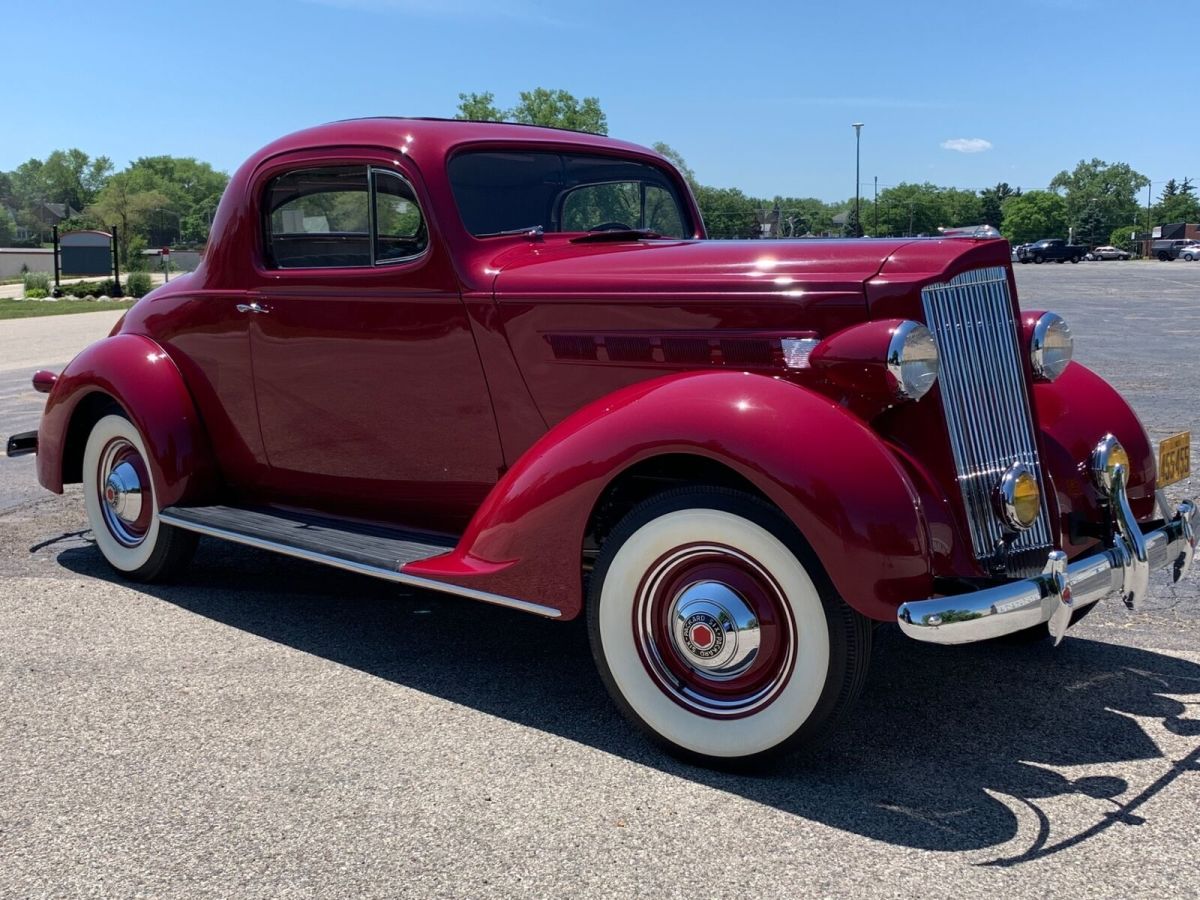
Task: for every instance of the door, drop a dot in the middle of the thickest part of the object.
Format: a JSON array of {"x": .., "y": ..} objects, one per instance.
[{"x": 371, "y": 397}]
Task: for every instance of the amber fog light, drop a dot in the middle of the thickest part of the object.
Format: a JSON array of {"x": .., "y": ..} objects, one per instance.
[
  {"x": 1018, "y": 497},
  {"x": 1105, "y": 458}
]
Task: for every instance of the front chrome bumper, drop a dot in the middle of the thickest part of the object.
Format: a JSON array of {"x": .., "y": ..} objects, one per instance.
[{"x": 1122, "y": 570}]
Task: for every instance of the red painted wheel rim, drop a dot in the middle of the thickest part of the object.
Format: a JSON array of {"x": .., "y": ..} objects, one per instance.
[{"x": 714, "y": 631}]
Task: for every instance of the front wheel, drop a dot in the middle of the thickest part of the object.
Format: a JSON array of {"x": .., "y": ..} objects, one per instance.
[
  {"x": 119, "y": 497},
  {"x": 1075, "y": 259},
  {"x": 716, "y": 630},
  {"x": 1039, "y": 259}
]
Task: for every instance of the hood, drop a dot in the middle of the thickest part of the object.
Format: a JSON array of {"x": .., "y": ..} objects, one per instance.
[{"x": 692, "y": 268}]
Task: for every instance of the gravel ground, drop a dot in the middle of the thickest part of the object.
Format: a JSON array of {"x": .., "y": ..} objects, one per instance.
[{"x": 270, "y": 728}]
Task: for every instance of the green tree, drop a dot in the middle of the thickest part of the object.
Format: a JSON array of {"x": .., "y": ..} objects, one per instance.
[
  {"x": 1099, "y": 196},
  {"x": 541, "y": 106},
  {"x": 853, "y": 224},
  {"x": 908, "y": 209},
  {"x": 1034, "y": 215},
  {"x": 1177, "y": 203},
  {"x": 191, "y": 190},
  {"x": 727, "y": 212},
  {"x": 800, "y": 216},
  {"x": 991, "y": 203},
  {"x": 74, "y": 178},
  {"x": 1120, "y": 237},
  {"x": 559, "y": 109},
  {"x": 125, "y": 202},
  {"x": 479, "y": 108},
  {"x": 676, "y": 159}
]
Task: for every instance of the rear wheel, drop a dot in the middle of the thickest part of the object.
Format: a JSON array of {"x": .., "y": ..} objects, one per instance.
[
  {"x": 1075, "y": 259},
  {"x": 717, "y": 632},
  {"x": 121, "y": 509}
]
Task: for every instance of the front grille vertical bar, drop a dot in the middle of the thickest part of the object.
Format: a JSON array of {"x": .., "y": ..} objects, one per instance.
[{"x": 987, "y": 408}]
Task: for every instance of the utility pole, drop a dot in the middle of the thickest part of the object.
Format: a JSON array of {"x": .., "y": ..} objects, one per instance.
[
  {"x": 857, "y": 126},
  {"x": 875, "y": 224}
]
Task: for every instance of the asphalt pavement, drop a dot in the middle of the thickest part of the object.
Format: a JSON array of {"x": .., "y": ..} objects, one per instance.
[{"x": 270, "y": 728}]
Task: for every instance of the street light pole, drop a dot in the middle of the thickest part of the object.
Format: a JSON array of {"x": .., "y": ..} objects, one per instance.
[{"x": 857, "y": 126}]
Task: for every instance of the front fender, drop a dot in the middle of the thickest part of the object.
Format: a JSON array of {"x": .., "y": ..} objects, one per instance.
[
  {"x": 138, "y": 374},
  {"x": 823, "y": 467},
  {"x": 1075, "y": 412}
]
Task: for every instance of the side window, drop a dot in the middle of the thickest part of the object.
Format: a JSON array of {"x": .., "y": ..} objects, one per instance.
[
  {"x": 341, "y": 217},
  {"x": 400, "y": 231},
  {"x": 319, "y": 218}
]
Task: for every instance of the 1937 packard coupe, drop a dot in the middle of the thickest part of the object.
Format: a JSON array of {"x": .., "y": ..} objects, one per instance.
[{"x": 504, "y": 362}]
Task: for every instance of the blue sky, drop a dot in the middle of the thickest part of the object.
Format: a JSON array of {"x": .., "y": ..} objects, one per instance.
[{"x": 757, "y": 96}]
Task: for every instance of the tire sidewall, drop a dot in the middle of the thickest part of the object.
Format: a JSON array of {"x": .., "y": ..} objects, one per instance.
[
  {"x": 119, "y": 556},
  {"x": 802, "y": 708}
]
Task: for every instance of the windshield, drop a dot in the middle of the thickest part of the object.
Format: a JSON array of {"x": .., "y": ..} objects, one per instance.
[{"x": 502, "y": 192}]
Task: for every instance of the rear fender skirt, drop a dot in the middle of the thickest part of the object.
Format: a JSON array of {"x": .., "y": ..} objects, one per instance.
[
  {"x": 824, "y": 468},
  {"x": 137, "y": 374}
]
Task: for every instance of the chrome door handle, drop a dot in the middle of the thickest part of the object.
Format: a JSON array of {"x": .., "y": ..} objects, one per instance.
[{"x": 252, "y": 308}]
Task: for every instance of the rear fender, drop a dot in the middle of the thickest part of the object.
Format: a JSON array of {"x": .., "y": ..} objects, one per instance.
[
  {"x": 820, "y": 465},
  {"x": 136, "y": 373}
]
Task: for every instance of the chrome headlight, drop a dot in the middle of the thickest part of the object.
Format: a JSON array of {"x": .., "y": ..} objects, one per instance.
[
  {"x": 912, "y": 359},
  {"x": 1051, "y": 346}
]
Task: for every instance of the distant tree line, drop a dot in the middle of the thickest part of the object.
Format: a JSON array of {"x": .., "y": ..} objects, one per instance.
[
  {"x": 154, "y": 200},
  {"x": 168, "y": 199},
  {"x": 1100, "y": 202}
]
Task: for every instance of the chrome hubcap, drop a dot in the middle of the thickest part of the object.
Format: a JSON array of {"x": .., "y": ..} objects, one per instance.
[
  {"x": 123, "y": 501},
  {"x": 123, "y": 492},
  {"x": 714, "y": 629}
]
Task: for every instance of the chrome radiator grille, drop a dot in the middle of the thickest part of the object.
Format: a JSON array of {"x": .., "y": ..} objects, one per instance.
[{"x": 987, "y": 410}]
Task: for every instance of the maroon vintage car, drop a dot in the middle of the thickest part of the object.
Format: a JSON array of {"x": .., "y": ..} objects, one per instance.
[{"x": 503, "y": 362}]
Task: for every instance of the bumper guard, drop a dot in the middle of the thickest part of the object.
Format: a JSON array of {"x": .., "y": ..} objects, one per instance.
[{"x": 1123, "y": 570}]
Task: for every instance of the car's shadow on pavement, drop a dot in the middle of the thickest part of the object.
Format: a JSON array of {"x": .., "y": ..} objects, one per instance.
[{"x": 939, "y": 736}]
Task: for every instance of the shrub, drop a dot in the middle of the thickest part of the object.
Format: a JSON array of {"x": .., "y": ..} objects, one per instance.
[
  {"x": 83, "y": 289},
  {"x": 36, "y": 294},
  {"x": 138, "y": 284},
  {"x": 36, "y": 281}
]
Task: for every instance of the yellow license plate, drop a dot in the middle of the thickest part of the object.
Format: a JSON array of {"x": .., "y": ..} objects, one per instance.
[{"x": 1174, "y": 458}]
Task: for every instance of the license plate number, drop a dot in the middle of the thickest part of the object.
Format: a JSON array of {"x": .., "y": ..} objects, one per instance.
[{"x": 1174, "y": 458}]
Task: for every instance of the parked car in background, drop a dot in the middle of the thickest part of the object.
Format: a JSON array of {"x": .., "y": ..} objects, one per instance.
[
  {"x": 1165, "y": 251},
  {"x": 1109, "y": 252},
  {"x": 1055, "y": 249},
  {"x": 504, "y": 363}
]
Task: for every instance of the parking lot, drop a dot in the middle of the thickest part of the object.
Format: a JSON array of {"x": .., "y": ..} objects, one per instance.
[{"x": 272, "y": 728}]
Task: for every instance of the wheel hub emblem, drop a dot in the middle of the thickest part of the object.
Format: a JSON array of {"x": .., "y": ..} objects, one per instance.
[{"x": 703, "y": 635}]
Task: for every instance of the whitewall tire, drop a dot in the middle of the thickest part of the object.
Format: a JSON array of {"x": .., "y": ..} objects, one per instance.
[
  {"x": 119, "y": 497},
  {"x": 716, "y": 630}
]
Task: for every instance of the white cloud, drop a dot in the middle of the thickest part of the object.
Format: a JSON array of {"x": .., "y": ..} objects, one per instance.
[{"x": 967, "y": 145}]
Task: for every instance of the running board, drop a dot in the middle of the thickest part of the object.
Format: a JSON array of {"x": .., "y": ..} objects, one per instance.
[{"x": 354, "y": 547}]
